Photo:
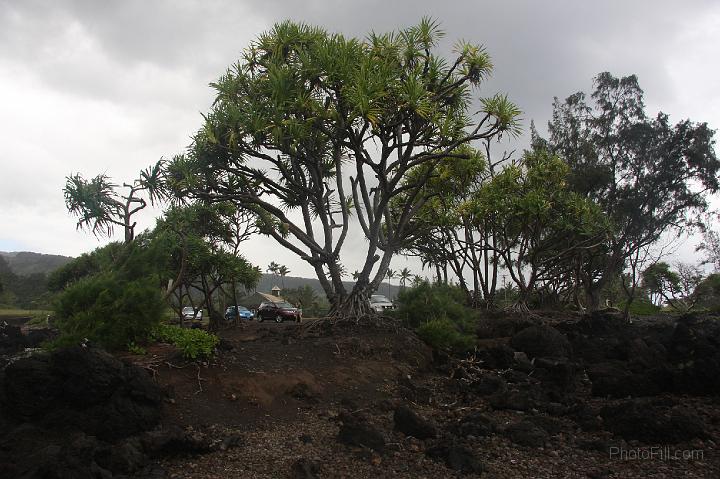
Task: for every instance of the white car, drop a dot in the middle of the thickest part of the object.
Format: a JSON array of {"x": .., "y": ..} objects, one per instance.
[
  {"x": 189, "y": 313},
  {"x": 380, "y": 303}
]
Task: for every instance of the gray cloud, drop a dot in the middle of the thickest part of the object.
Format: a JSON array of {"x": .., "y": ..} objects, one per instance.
[{"x": 111, "y": 86}]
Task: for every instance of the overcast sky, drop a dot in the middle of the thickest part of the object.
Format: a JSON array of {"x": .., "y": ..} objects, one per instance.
[{"x": 111, "y": 86}]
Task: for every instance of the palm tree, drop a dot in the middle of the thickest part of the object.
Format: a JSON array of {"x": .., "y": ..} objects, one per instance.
[
  {"x": 283, "y": 271},
  {"x": 405, "y": 275},
  {"x": 355, "y": 275},
  {"x": 273, "y": 268},
  {"x": 390, "y": 275}
]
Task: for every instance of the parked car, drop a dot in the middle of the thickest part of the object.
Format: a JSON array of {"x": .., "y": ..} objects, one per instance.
[
  {"x": 190, "y": 313},
  {"x": 380, "y": 303},
  {"x": 242, "y": 310},
  {"x": 278, "y": 311}
]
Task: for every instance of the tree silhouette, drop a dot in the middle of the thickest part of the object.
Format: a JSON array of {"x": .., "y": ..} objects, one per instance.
[
  {"x": 390, "y": 275},
  {"x": 283, "y": 270},
  {"x": 405, "y": 275}
]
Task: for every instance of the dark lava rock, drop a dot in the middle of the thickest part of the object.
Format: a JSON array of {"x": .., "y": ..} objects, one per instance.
[
  {"x": 516, "y": 377},
  {"x": 557, "y": 375},
  {"x": 522, "y": 363},
  {"x": 304, "y": 469},
  {"x": 642, "y": 355},
  {"x": 514, "y": 400},
  {"x": 542, "y": 341},
  {"x": 488, "y": 384},
  {"x": 527, "y": 433},
  {"x": 549, "y": 424},
  {"x": 303, "y": 391},
  {"x": 412, "y": 392},
  {"x": 75, "y": 459},
  {"x": 83, "y": 389},
  {"x": 476, "y": 424},
  {"x": 126, "y": 457},
  {"x": 601, "y": 322},
  {"x": 652, "y": 424},
  {"x": 587, "y": 418},
  {"x": 456, "y": 457},
  {"x": 614, "y": 379},
  {"x": 501, "y": 325},
  {"x": 694, "y": 350},
  {"x": 12, "y": 339},
  {"x": 175, "y": 441},
  {"x": 412, "y": 424},
  {"x": 355, "y": 430},
  {"x": 497, "y": 357},
  {"x": 36, "y": 337}
]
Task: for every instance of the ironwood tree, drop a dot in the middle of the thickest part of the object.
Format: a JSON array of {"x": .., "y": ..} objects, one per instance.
[
  {"x": 312, "y": 130},
  {"x": 648, "y": 175}
]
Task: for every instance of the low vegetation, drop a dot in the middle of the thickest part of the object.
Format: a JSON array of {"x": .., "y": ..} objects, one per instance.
[
  {"x": 193, "y": 343},
  {"x": 439, "y": 314}
]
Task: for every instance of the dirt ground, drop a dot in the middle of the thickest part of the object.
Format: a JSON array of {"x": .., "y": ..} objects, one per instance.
[{"x": 281, "y": 387}]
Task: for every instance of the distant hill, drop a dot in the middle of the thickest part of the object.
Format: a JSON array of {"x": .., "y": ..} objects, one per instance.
[
  {"x": 270, "y": 280},
  {"x": 24, "y": 263}
]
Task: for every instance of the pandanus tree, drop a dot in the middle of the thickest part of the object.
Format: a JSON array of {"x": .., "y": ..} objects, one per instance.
[
  {"x": 100, "y": 207},
  {"x": 313, "y": 130}
]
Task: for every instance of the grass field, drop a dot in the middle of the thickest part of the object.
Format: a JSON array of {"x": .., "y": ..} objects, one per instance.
[{"x": 36, "y": 315}]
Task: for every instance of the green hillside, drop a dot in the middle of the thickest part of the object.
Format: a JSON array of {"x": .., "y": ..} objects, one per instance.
[{"x": 25, "y": 263}]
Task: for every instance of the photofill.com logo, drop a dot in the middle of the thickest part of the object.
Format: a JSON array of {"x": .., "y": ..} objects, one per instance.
[{"x": 656, "y": 453}]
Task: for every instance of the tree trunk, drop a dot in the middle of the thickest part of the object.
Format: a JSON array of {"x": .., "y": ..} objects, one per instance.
[
  {"x": 235, "y": 303},
  {"x": 355, "y": 305},
  {"x": 592, "y": 298}
]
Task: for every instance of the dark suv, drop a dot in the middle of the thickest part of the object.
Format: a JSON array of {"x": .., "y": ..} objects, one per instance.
[{"x": 278, "y": 311}]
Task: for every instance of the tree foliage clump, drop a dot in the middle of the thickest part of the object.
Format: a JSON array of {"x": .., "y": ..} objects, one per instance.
[
  {"x": 674, "y": 287},
  {"x": 310, "y": 129},
  {"x": 541, "y": 227},
  {"x": 100, "y": 207}
]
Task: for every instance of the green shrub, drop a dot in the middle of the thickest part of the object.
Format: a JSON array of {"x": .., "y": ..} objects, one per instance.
[
  {"x": 439, "y": 315},
  {"x": 136, "y": 349},
  {"x": 108, "y": 310},
  {"x": 641, "y": 307},
  {"x": 707, "y": 293},
  {"x": 444, "y": 334},
  {"x": 194, "y": 343},
  {"x": 426, "y": 302}
]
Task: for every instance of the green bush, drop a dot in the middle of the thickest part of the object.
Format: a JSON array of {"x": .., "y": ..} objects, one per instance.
[
  {"x": 439, "y": 315},
  {"x": 136, "y": 349},
  {"x": 426, "y": 302},
  {"x": 707, "y": 293},
  {"x": 108, "y": 310},
  {"x": 641, "y": 307},
  {"x": 194, "y": 343},
  {"x": 444, "y": 334}
]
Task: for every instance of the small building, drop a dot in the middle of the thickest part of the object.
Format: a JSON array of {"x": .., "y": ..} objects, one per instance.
[{"x": 275, "y": 291}]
